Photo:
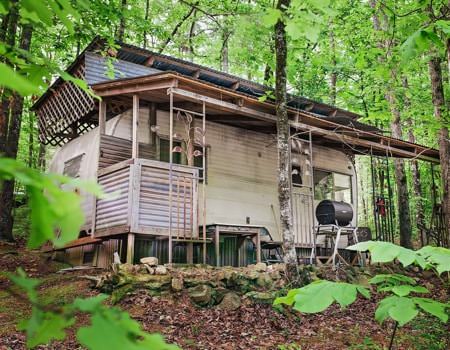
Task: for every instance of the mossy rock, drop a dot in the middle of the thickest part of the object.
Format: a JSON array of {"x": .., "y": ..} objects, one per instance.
[
  {"x": 201, "y": 295},
  {"x": 261, "y": 297},
  {"x": 264, "y": 281},
  {"x": 119, "y": 293}
]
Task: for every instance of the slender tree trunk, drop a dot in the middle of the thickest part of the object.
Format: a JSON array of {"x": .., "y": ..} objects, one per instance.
[
  {"x": 175, "y": 29},
  {"x": 121, "y": 29},
  {"x": 333, "y": 75},
  {"x": 8, "y": 33},
  {"x": 400, "y": 177},
  {"x": 7, "y": 193},
  {"x": 224, "y": 64},
  {"x": 30, "y": 140},
  {"x": 442, "y": 115},
  {"x": 284, "y": 171},
  {"x": 144, "y": 39},
  {"x": 415, "y": 171},
  {"x": 41, "y": 157}
]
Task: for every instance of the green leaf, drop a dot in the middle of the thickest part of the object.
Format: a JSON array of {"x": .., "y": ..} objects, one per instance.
[
  {"x": 405, "y": 290},
  {"x": 434, "y": 308},
  {"x": 344, "y": 293},
  {"x": 271, "y": 17},
  {"x": 46, "y": 327},
  {"x": 382, "y": 311},
  {"x": 403, "y": 311},
  {"x": 90, "y": 304},
  {"x": 12, "y": 80}
]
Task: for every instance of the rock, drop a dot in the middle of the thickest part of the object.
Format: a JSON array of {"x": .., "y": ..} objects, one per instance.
[
  {"x": 260, "y": 297},
  {"x": 177, "y": 284},
  {"x": 230, "y": 302},
  {"x": 201, "y": 295},
  {"x": 149, "y": 269},
  {"x": 151, "y": 261},
  {"x": 264, "y": 280},
  {"x": 127, "y": 268},
  {"x": 260, "y": 267},
  {"x": 158, "y": 282},
  {"x": 252, "y": 275},
  {"x": 160, "y": 270}
]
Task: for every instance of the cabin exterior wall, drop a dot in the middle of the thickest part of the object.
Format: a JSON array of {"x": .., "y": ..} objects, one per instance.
[{"x": 241, "y": 168}]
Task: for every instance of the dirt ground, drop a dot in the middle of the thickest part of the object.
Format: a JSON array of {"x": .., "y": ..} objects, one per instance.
[{"x": 252, "y": 326}]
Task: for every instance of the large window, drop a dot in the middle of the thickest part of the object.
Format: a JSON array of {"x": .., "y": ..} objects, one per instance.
[{"x": 334, "y": 186}]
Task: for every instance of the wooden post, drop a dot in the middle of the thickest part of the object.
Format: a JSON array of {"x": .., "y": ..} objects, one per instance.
[
  {"x": 170, "y": 173},
  {"x": 190, "y": 252},
  {"x": 204, "y": 180},
  {"x": 258, "y": 246},
  {"x": 135, "y": 140},
  {"x": 152, "y": 122},
  {"x": 102, "y": 117},
  {"x": 130, "y": 248},
  {"x": 217, "y": 242}
]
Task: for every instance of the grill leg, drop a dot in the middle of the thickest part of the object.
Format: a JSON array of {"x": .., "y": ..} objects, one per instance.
[{"x": 336, "y": 243}]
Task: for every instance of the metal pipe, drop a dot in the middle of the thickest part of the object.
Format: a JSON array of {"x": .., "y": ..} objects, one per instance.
[{"x": 204, "y": 180}]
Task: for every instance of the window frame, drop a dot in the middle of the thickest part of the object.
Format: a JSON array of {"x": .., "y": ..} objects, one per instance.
[{"x": 332, "y": 172}]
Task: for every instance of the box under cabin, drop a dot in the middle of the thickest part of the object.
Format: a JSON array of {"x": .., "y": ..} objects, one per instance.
[{"x": 188, "y": 158}]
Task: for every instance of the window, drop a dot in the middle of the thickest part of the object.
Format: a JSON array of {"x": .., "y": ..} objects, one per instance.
[
  {"x": 72, "y": 166},
  {"x": 333, "y": 186},
  {"x": 164, "y": 151},
  {"x": 297, "y": 175},
  {"x": 198, "y": 161}
]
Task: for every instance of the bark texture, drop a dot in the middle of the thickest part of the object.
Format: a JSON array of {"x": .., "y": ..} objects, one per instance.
[
  {"x": 442, "y": 115},
  {"x": 12, "y": 143},
  {"x": 284, "y": 181},
  {"x": 404, "y": 218}
]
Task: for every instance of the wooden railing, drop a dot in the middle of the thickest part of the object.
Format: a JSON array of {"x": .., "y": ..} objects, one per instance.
[{"x": 140, "y": 199}]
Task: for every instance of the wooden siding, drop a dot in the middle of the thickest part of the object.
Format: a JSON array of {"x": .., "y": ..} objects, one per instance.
[
  {"x": 140, "y": 203},
  {"x": 113, "y": 211},
  {"x": 154, "y": 200},
  {"x": 115, "y": 150}
]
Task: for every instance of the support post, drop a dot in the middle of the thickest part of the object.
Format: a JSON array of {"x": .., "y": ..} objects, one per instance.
[
  {"x": 152, "y": 122},
  {"x": 170, "y": 174},
  {"x": 204, "y": 180},
  {"x": 102, "y": 117},
  {"x": 258, "y": 246},
  {"x": 217, "y": 243},
  {"x": 190, "y": 252},
  {"x": 135, "y": 140},
  {"x": 130, "y": 248}
]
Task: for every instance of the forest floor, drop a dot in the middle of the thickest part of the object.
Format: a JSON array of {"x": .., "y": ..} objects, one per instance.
[{"x": 252, "y": 326}]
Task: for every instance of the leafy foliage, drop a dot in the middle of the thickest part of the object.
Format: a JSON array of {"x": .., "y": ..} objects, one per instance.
[
  {"x": 319, "y": 295},
  {"x": 400, "y": 306},
  {"x": 110, "y": 328},
  {"x": 56, "y": 215},
  {"x": 428, "y": 257}
]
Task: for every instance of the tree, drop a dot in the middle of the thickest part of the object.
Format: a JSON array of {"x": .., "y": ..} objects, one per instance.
[{"x": 283, "y": 131}]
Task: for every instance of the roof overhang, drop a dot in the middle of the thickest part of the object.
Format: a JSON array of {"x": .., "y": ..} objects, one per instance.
[{"x": 233, "y": 105}]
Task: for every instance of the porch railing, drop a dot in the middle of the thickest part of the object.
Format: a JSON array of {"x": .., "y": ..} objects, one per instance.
[{"x": 140, "y": 199}]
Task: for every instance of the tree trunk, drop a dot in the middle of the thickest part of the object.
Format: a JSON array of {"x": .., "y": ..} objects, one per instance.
[
  {"x": 41, "y": 157},
  {"x": 284, "y": 171},
  {"x": 400, "y": 177},
  {"x": 442, "y": 115},
  {"x": 121, "y": 30},
  {"x": 147, "y": 8},
  {"x": 8, "y": 34},
  {"x": 12, "y": 143},
  {"x": 30, "y": 140},
  {"x": 333, "y": 75},
  {"x": 415, "y": 171},
  {"x": 224, "y": 64}
]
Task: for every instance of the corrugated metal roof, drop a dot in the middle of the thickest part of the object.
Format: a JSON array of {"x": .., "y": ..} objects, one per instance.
[{"x": 96, "y": 69}]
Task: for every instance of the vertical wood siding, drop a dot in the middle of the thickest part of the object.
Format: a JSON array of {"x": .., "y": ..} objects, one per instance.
[{"x": 113, "y": 211}]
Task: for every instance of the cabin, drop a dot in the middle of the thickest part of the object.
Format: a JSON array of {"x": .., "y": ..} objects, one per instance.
[{"x": 188, "y": 158}]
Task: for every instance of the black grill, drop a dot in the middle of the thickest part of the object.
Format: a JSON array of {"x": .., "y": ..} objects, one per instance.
[{"x": 332, "y": 212}]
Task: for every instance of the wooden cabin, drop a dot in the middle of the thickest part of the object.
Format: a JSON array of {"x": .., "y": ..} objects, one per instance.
[{"x": 188, "y": 155}]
